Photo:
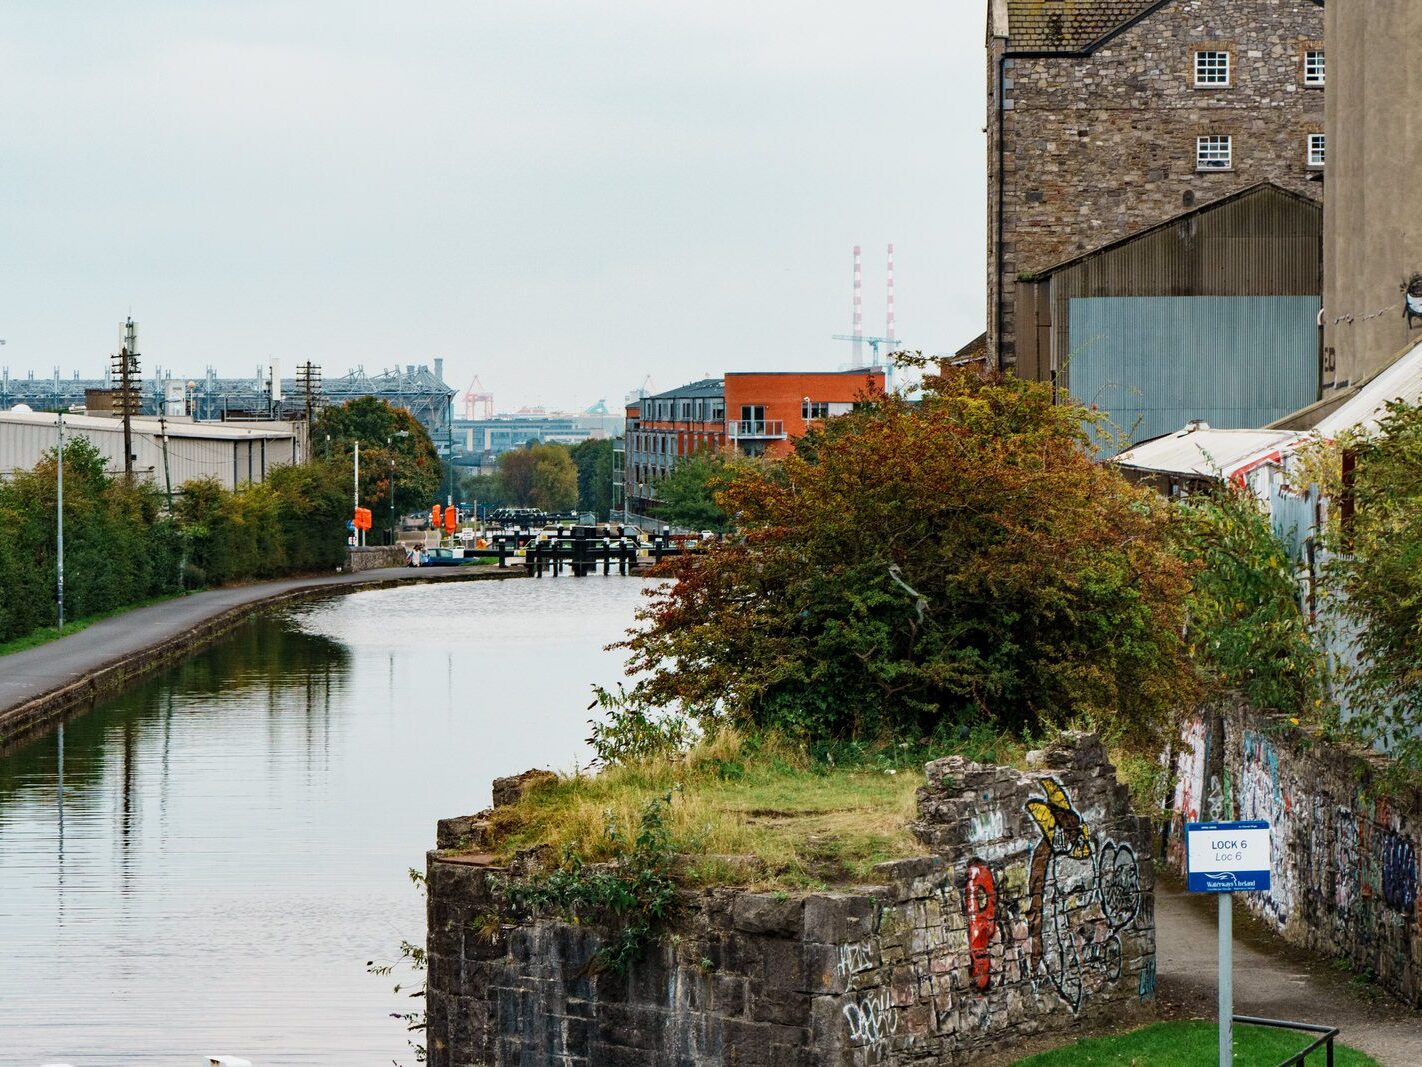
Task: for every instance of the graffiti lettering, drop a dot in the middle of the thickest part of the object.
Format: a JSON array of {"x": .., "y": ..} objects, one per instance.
[
  {"x": 980, "y": 904},
  {"x": 853, "y": 959},
  {"x": 871, "y": 1019},
  {"x": 1399, "y": 871}
]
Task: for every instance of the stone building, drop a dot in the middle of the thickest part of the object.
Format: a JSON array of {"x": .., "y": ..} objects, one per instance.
[
  {"x": 1372, "y": 242},
  {"x": 1106, "y": 117}
]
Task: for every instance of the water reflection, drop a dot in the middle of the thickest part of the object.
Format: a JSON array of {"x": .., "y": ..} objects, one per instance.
[{"x": 204, "y": 864}]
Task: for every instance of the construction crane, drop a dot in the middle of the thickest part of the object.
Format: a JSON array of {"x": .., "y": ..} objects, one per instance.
[
  {"x": 894, "y": 343},
  {"x": 478, "y": 404}
]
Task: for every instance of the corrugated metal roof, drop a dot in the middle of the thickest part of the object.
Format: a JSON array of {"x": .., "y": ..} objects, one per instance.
[
  {"x": 216, "y": 431},
  {"x": 1400, "y": 380},
  {"x": 1069, "y": 25},
  {"x": 1263, "y": 209},
  {"x": 1208, "y": 453}
]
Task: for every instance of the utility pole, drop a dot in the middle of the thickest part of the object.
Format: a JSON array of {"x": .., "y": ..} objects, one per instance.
[
  {"x": 167, "y": 475},
  {"x": 59, "y": 524},
  {"x": 126, "y": 397},
  {"x": 308, "y": 380}
]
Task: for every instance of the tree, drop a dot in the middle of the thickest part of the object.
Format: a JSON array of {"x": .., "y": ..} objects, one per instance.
[
  {"x": 540, "y": 475},
  {"x": 1379, "y": 574},
  {"x": 373, "y": 422},
  {"x": 932, "y": 567},
  {"x": 593, "y": 459},
  {"x": 1247, "y": 629},
  {"x": 687, "y": 497}
]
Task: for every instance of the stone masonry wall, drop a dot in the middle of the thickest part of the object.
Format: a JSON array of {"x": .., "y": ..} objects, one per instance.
[
  {"x": 373, "y": 557},
  {"x": 1345, "y": 856},
  {"x": 1033, "y": 913},
  {"x": 1101, "y": 146}
]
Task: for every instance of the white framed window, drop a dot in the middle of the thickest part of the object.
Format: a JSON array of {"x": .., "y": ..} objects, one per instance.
[
  {"x": 1215, "y": 152},
  {"x": 1211, "y": 68},
  {"x": 1313, "y": 66},
  {"x": 814, "y": 409},
  {"x": 1317, "y": 149}
]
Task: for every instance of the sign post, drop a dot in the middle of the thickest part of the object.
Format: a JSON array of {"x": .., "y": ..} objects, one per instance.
[{"x": 1226, "y": 858}]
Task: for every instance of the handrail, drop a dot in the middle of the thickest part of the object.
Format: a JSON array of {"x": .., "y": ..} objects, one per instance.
[
  {"x": 1298, "y": 1059},
  {"x": 756, "y": 428}
]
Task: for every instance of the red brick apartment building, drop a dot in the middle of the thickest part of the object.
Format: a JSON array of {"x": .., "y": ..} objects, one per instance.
[{"x": 755, "y": 413}]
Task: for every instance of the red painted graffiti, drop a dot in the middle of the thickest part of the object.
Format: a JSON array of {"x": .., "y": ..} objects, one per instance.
[{"x": 980, "y": 904}]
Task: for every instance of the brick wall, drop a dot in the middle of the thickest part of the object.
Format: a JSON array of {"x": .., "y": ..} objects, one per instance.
[
  {"x": 1344, "y": 868},
  {"x": 783, "y": 395},
  {"x": 1097, "y": 147},
  {"x": 1033, "y": 913}
]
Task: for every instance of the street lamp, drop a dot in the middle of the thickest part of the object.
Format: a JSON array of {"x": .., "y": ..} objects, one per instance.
[
  {"x": 59, "y": 522},
  {"x": 389, "y": 442}
]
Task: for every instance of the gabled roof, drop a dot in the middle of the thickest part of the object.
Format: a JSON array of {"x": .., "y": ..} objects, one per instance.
[
  {"x": 1366, "y": 404},
  {"x": 1069, "y": 26},
  {"x": 1208, "y": 453},
  {"x": 705, "y": 387},
  {"x": 1264, "y": 188}
]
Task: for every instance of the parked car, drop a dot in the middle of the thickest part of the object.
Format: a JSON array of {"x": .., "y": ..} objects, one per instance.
[{"x": 441, "y": 557}]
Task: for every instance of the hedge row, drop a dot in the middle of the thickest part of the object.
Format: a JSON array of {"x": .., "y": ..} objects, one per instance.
[{"x": 120, "y": 547}]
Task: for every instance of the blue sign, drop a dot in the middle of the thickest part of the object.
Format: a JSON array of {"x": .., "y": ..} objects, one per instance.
[{"x": 1227, "y": 857}]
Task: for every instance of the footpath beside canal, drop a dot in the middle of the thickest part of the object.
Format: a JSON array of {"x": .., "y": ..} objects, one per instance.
[{"x": 43, "y": 683}]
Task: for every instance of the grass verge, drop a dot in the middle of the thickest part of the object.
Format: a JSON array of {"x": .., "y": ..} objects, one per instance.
[
  {"x": 1190, "y": 1044},
  {"x": 46, "y": 634},
  {"x": 810, "y": 819}
]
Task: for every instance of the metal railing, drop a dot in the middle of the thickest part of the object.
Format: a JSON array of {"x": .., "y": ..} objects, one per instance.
[
  {"x": 1298, "y": 1059},
  {"x": 763, "y": 428}
]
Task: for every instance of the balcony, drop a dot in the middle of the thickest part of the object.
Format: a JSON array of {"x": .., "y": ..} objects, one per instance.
[{"x": 757, "y": 430}]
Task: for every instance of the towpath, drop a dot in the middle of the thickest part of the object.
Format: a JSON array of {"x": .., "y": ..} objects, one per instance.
[
  {"x": 1273, "y": 980},
  {"x": 40, "y": 683}
]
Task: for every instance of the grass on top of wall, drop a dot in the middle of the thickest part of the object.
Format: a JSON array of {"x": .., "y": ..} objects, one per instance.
[
  {"x": 1191, "y": 1044},
  {"x": 811, "y": 820}
]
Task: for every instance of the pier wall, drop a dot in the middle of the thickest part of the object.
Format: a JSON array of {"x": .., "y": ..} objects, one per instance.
[
  {"x": 1033, "y": 912},
  {"x": 374, "y": 557}
]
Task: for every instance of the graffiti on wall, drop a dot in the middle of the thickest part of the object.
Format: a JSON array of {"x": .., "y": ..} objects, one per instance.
[
  {"x": 1399, "y": 871},
  {"x": 1079, "y": 898},
  {"x": 1263, "y": 796},
  {"x": 980, "y": 903},
  {"x": 1347, "y": 854},
  {"x": 1046, "y": 918}
]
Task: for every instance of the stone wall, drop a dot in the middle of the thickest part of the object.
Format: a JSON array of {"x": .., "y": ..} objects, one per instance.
[
  {"x": 1031, "y": 914},
  {"x": 1097, "y": 147},
  {"x": 1345, "y": 852},
  {"x": 373, "y": 557}
]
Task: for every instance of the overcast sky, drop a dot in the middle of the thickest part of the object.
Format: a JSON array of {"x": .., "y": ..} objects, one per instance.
[{"x": 561, "y": 197}]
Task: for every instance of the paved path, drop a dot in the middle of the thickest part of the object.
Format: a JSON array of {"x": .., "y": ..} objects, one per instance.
[
  {"x": 1273, "y": 980},
  {"x": 35, "y": 673}
]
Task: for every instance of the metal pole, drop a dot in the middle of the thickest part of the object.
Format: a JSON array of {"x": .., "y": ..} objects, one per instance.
[
  {"x": 59, "y": 525},
  {"x": 167, "y": 475},
  {"x": 355, "y": 496},
  {"x": 1226, "y": 1005}
]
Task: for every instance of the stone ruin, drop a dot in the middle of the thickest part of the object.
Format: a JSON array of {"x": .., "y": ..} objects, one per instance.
[{"x": 1032, "y": 912}]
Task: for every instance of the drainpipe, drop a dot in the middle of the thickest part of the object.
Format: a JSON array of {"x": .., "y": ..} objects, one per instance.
[{"x": 1001, "y": 188}]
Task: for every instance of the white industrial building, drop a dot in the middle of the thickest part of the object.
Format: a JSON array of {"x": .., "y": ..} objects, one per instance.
[{"x": 232, "y": 453}]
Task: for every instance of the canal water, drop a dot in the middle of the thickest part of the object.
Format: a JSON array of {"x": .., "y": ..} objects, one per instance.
[{"x": 203, "y": 865}]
